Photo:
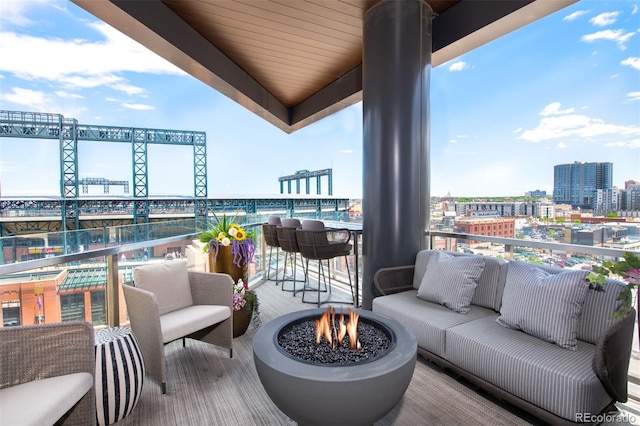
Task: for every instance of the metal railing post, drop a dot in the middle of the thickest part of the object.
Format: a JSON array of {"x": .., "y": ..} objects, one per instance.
[{"x": 113, "y": 291}]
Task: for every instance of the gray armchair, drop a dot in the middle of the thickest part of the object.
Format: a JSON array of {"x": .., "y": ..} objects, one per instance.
[
  {"x": 47, "y": 374},
  {"x": 166, "y": 302}
]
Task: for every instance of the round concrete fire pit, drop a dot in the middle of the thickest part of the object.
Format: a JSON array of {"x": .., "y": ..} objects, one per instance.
[{"x": 328, "y": 394}]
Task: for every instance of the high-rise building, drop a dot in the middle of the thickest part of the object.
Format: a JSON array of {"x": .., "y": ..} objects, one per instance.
[{"x": 577, "y": 183}]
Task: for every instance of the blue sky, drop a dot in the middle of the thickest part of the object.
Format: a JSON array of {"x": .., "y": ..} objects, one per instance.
[{"x": 565, "y": 88}]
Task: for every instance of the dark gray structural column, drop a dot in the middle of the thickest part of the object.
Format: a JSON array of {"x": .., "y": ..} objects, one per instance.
[{"x": 396, "y": 68}]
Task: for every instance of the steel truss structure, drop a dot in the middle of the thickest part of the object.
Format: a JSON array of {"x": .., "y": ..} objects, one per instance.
[
  {"x": 307, "y": 175},
  {"x": 68, "y": 133}
]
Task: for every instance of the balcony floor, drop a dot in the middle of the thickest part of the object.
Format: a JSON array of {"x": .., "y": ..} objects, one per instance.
[{"x": 206, "y": 387}]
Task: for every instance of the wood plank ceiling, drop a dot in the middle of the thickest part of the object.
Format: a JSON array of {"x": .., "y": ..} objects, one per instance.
[
  {"x": 294, "y": 62},
  {"x": 292, "y": 47}
]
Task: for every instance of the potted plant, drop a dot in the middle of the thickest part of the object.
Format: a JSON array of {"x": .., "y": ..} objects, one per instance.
[
  {"x": 231, "y": 248},
  {"x": 627, "y": 271},
  {"x": 245, "y": 300}
]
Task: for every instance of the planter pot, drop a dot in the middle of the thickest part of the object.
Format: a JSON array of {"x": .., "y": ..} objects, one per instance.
[
  {"x": 242, "y": 319},
  {"x": 223, "y": 262}
]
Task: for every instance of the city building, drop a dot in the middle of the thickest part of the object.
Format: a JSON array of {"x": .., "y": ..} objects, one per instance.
[
  {"x": 535, "y": 194},
  {"x": 577, "y": 183},
  {"x": 497, "y": 208},
  {"x": 607, "y": 200},
  {"x": 631, "y": 184},
  {"x": 494, "y": 227}
]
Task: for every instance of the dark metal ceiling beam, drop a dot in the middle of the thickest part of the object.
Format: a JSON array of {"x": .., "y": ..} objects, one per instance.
[
  {"x": 467, "y": 17},
  {"x": 213, "y": 66}
]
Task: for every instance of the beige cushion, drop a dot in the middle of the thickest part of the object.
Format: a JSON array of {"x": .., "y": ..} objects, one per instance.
[
  {"x": 169, "y": 281},
  {"x": 183, "y": 322},
  {"x": 42, "y": 402}
]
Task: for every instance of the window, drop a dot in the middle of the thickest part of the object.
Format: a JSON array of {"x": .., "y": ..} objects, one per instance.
[
  {"x": 98, "y": 308},
  {"x": 11, "y": 313},
  {"x": 72, "y": 307}
]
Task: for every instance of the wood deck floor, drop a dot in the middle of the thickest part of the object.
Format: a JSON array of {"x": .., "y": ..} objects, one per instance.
[{"x": 206, "y": 387}]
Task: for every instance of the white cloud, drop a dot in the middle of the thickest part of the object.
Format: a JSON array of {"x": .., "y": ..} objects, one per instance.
[
  {"x": 633, "y": 96},
  {"x": 619, "y": 36},
  {"x": 453, "y": 141},
  {"x": 518, "y": 130},
  {"x": 635, "y": 9},
  {"x": 604, "y": 19},
  {"x": 562, "y": 145},
  {"x": 578, "y": 126},
  {"x": 81, "y": 63},
  {"x": 632, "y": 62},
  {"x": 139, "y": 107},
  {"x": 67, "y": 95},
  {"x": 573, "y": 16},
  {"x": 458, "y": 66},
  {"x": 554, "y": 109},
  {"x": 632, "y": 144},
  {"x": 30, "y": 98},
  {"x": 129, "y": 89},
  {"x": 14, "y": 12}
]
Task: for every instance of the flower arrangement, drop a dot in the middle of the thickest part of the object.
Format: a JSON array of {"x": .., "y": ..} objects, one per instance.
[
  {"x": 244, "y": 298},
  {"x": 228, "y": 233},
  {"x": 242, "y": 242},
  {"x": 627, "y": 271}
]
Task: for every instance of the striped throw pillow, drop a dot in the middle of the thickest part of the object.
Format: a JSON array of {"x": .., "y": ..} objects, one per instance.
[
  {"x": 542, "y": 304},
  {"x": 451, "y": 281}
]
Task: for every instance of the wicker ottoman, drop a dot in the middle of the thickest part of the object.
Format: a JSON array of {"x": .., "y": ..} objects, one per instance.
[{"x": 119, "y": 374}]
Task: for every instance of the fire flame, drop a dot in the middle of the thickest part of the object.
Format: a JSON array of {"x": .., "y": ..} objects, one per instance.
[
  {"x": 352, "y": 330},
  {"x": 334, "y": 331}
]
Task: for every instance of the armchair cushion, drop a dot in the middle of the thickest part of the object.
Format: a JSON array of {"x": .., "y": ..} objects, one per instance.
[
  {"x": 169, "y": 281},
  {"x": 59, "y": 356},
  {"x": 40, "y": 401},
  {"x": 185, "y": 321}
]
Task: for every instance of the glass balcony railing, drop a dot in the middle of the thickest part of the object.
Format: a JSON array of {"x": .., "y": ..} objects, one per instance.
[
  {"x": 82, "y": 279},
  {"x": 65, "y": 276}
]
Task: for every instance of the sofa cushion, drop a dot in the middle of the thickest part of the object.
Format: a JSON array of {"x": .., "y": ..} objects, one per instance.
[
  {"x": 488, "y": 292},
  {"x": 169, "y": 281},
  {"x": 557, "y": 380},
  {"x": 491, "y": 283},
  {"x": 598, "y": 307},
  {"x": 597, "y": 311},
  {"x": 451, "y": 281},
  {"x": 542, "y": 304},
  {"x": 426, "y": 320}
]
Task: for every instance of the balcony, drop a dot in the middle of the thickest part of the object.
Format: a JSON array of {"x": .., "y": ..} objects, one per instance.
[{"x": 205, "y": 385}]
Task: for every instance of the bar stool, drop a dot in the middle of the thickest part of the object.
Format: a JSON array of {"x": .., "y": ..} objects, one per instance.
[
  {"x": 289, "y": 245},
  {"x": 319, "y": 243},
  {"x": 270, "y": 234}
]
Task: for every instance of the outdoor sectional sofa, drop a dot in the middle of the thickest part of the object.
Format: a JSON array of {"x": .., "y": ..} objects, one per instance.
[{"x": 536, "y": 336}]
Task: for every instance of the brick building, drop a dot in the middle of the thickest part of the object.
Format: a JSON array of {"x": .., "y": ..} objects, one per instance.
[{"x": 493, "y": 227}]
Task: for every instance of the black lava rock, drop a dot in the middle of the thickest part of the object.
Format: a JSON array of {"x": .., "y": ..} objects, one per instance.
[{"x": 299, "y": 340}]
